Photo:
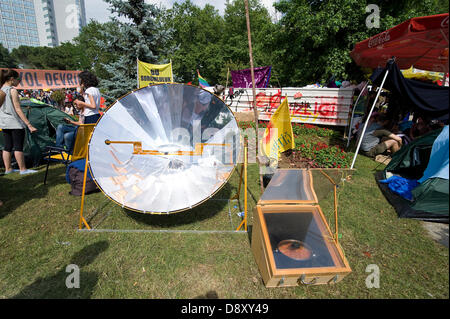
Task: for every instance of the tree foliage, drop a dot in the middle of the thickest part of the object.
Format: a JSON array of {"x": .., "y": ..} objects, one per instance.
[
  {"x": 236, "y": 37},
  {"x": 93, "y": 56},
  {"x": 67, "y": 56},
  {"x": 141, "y": 37},
  {"x": 315, "y": 38},
  {"x": 6, "y": 60},
  {"x": 196, "y": 39},
  {"x": 310, "y": 43}
]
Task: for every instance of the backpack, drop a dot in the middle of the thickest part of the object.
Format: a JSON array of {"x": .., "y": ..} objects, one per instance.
[{"x": 75, "y": 176}]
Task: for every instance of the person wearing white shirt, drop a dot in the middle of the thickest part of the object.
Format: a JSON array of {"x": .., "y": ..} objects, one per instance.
[{"x": 91, "y": 105}]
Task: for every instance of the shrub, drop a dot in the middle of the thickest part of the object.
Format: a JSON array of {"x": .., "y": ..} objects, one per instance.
[
  {"x": 323, "y": 155},
  {"x": 308, "y": 129},
  {"x": 320, "y": 153},
  {"x": 58, "y": 96}
]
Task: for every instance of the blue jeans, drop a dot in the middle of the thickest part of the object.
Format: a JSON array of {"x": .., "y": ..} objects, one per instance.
[
  {"x": 65, "y": 136},
  {"x": 91, "y": 119}
]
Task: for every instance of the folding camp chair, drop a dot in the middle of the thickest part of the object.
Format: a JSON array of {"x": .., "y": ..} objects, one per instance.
[{"x": 78, "y": 151}]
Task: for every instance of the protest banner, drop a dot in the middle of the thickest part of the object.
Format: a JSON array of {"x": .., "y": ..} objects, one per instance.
[
  {"x": 323, "y": 106},
  {"x": 243, "y": 78},
  {"x": 153, "y": 73},
  {"x": 47, "y": 79}
]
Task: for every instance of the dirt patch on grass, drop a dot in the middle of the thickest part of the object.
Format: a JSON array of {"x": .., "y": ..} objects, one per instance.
[
  {"x": 245, "y": 116},
  {"x": 293, "y": 159},
  {"x": 202, "y": 282}
]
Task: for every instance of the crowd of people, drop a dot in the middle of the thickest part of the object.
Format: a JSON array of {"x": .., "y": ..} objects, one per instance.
[{"x": 46, "y": 96}]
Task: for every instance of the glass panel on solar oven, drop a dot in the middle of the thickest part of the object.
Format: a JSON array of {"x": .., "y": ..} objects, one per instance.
[
  {"x": 300, "y": 240},
  {"x": 289, "y": 184}
]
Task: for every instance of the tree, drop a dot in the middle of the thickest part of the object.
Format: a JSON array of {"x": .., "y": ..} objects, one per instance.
[
  {"x": 315, "y": 38},
  {"x": 58, "y": 96},
  {"x": 93, "y": 57},
  {"x": 6, "y": 60},
  {"x": 197, "y": 41},
  {"x": 66, "y": 56},
  {"x": 235, "y": 43},
  {"x": 25, "y": 56},
  {"x": 141, "y": 37}
]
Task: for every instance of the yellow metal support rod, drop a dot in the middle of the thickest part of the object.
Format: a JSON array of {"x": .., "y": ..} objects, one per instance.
[
  {"x": 336, "y": 213},
  {"x": 238, "y": 194},
  {"x": 137, "y": 148},
  {"x": 245, "y": 187},
  {"x": 82, "y": 220},
  {"x": 244, "y": 221},
  {"x": 335, "y": 205}
]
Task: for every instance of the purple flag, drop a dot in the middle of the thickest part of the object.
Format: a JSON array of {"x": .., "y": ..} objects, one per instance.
[{"x": 243, "y": 78}]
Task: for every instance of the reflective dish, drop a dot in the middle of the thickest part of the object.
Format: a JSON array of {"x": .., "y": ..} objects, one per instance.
[{"x": 164, "y": 148}]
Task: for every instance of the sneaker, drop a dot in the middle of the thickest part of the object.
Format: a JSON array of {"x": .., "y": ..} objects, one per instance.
[
  {"x": 28, "y": 171},
  {"x": 11, "y": 171}
]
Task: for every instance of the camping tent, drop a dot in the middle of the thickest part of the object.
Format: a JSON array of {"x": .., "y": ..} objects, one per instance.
[
  {"x": 421, "y": 42},
  {"x": 425, "y": 162},
  {"x": 46, "y": 119},
  {"x": 411, "y": 95}
]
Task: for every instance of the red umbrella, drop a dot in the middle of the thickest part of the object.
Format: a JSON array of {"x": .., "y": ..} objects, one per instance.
[{"x": 421, "y": 42}]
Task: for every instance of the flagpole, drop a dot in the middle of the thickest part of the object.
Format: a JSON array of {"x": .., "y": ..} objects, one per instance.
[
  {"x": 226, "y": 85},
  {"x": 171, "y": 68},
  {"x": 137, "y": 71},
  {"x": 247, "y": 15},
  {"x": 368, "y": 119}
]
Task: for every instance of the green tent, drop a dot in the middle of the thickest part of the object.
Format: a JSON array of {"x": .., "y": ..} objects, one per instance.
[
  {"x": 431, "y": 197},
  {"x": 46, "y": 119}
]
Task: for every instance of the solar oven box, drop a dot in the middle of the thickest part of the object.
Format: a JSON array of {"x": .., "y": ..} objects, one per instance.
[{"x": 291, "y": 240}]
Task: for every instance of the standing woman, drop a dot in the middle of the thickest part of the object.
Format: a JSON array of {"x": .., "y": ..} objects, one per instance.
[
  {"x": 92, "y": 96},
  {"x": 13, "y": 122},
  {"x": 2, "y": 97}
]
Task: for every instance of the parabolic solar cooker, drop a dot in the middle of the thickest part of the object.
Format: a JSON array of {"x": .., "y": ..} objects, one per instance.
[{"x": 164, "y": 148}]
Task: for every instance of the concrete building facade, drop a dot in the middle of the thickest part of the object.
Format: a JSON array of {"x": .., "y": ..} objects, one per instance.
[{"x": 40, "y": 22}]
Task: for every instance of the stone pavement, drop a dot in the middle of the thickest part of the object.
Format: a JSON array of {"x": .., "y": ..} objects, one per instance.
[{"x": 437, "y": 231}]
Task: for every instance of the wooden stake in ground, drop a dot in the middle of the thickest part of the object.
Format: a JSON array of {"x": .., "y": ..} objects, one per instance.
[
  {"x": 247, "y": 15},
  {"x": 226, "y": 85},
  {"x": 250, "y": 51}
]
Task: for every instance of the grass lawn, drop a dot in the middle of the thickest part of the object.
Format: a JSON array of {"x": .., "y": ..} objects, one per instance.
[{"x": 39, "y": 239}]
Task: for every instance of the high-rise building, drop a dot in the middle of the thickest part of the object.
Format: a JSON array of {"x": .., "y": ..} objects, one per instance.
[{"x": 40, "y": 22}]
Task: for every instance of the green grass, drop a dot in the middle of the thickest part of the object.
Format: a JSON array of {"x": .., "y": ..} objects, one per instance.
[{"x": 39, "y": 238}]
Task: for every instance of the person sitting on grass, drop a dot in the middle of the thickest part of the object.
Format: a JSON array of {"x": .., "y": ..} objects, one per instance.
[{"x": 377, "y": 139}]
